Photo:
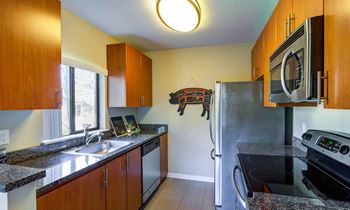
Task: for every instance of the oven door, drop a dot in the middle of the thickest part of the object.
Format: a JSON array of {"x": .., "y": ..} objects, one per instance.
[{"x": 239, "y": 187}]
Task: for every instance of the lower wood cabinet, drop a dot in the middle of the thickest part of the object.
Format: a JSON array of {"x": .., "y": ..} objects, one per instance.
[
  {"x": 163, "y": 157},
  {"x": 86, "y": 193},
  {"x": 114, "y": 186}
]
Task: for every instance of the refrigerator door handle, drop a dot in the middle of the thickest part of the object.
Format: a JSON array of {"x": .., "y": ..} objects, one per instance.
[
  {"x": 218, "y": 181},
  {"x": 211, "y": 110},
  {"x": 218, "y": 101}
]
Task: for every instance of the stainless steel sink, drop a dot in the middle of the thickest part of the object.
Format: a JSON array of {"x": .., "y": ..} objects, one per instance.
[{"x": 100, "y": 148}]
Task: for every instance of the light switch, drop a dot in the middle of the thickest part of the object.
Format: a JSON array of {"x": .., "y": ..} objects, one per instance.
[{"x": 4, "y": 137}]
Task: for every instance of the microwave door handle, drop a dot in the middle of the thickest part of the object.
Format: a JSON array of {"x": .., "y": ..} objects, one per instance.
[{"x": 283, "y": 74}]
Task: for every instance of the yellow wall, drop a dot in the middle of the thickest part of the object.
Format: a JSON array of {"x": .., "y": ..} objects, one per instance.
[
  {"x": 189, "y": 141},
  {"x": 79, "y": 39}
]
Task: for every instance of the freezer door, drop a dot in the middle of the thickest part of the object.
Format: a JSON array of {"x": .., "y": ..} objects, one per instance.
[
  {"x": 218, "y": 181},
  {"x": 218, "y": 116}
]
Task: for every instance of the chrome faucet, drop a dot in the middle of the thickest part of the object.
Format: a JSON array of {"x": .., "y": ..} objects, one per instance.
[{"x": 89, "y": 138}]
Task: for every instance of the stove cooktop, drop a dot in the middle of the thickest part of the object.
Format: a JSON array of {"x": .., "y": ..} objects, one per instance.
[{"x": 293, "y": 176}]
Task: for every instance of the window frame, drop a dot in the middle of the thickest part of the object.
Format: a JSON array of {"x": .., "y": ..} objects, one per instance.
[{"x": 72, "y": 103}]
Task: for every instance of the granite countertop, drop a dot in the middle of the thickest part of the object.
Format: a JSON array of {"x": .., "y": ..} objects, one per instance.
[
  {"x": 13, "y": 177},
  {"x": 267, "y": 201},
  {"x": 62, "y": 167}
]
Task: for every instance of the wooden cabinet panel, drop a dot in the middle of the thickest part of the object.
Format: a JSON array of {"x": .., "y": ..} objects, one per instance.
[
  {"x": 304, "y": 9},
  {"x": 30, "y": 54},
  {"x": 116, "y": 187},
  {"x": 337, "y": 53},
  {"x": 129, "y": 77},
  {"x": 146, "y": 81},
  {"x": 283, "y": 10},
  {"x": 163, "y": 157},
  {"x": 134, "y": 179},
  {"x": 85, "y": 193},
  {"x": 133, "y": 80}
]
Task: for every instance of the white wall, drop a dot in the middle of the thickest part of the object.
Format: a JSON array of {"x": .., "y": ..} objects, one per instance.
[
  {"x": 189, "y": 141},
  {"x": 320, "y": 118}
]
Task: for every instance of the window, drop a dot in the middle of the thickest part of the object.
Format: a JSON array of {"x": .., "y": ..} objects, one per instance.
[{"x": 80, "y": 104}]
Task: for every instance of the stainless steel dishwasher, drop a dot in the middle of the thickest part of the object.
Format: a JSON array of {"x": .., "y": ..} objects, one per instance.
[{"x": 150, "y": 168}]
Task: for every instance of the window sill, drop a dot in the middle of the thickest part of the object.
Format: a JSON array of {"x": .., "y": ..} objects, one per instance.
[{"x": 69, "y": 137}]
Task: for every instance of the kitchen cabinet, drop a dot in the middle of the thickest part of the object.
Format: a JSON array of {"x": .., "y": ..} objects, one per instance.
[
  {"x": 85, "y": 193},
  {"x": 257, "y": 68},
  {"x": 304, "y": 9},
  {"x": 30, "y": 54},
  {"x": 129, "y": 77},
  {"x": 337, "y": 53},
  {"x": 287, "y": 16},
  {"x": 124, "y": 182},
  {"x": 163, "y": 157},
  {"x": 134, "y": 180},
  {"x": 116, "y": 187}
]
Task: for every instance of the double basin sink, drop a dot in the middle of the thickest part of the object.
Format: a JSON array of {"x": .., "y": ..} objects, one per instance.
[{"x": 99, "y": 149}]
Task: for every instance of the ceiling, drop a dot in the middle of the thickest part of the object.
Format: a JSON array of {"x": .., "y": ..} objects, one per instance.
[{"x": 136, "y": 22}]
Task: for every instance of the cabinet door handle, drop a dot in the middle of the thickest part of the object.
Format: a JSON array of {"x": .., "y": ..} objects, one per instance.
[
  {"x": 142, "y": 100},
  {"x": 319, "y": 87},
  {"x": 126, "y": 162},
  {"x": 105, "y": 181},
  {"x": 290, "y": 19},
  {"x": 58, "y": 99},
  {"x": 286, "y": 27}
]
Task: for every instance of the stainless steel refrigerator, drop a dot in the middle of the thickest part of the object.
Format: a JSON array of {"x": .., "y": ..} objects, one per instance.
[{"x": 238, "y": 116}]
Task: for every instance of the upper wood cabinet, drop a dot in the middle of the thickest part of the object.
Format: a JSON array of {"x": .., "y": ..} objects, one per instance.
[
  {"x": 129, "y": 77},
  {"x": 304, "y": 9},
  {"x": 163, "y": 157},
  {"x": 85, "y": 193},
  {"x": 30, "y": 54},
  {"x": 337, "y": 53}
]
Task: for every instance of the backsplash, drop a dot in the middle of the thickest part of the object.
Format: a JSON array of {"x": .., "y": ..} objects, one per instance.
[{"x": 321, "y": 119}]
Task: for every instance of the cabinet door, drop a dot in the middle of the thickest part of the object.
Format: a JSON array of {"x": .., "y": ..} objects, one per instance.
[
  {"x": 30, "y": 54},
  {"x": 304, "y": 9},
  {"x": 163, "y": 157},
  {"x": 84, "y": 193},
  {"x": 134, "y": 180},
  {"x": 116, "y": 184},
  {"x": 133, "y": 77},
  {"x": 146, "y": 81},
  {"x": 283, "y": 9},
  {"x": 337, "y": 53}
]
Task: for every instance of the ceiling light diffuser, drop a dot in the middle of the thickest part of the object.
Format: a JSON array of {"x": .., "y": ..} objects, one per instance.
[{"x": 179, "y": 15}]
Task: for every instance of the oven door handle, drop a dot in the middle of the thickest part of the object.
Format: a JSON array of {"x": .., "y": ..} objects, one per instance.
[
  {"x": 283, "y": 73},
  {"x": 234, "y": 183}
]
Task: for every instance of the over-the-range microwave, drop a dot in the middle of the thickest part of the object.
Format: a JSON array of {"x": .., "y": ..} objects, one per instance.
[{"x": 296, "y": 67}]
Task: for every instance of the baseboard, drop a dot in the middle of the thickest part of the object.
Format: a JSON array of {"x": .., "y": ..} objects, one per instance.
[{"x": 191, "y": 177}]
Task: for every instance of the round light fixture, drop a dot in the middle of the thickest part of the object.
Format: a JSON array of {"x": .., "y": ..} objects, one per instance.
[{"x": 179, "y": 15}]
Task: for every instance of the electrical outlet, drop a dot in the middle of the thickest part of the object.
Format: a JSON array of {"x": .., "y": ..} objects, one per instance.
[
  {"x": 4, "y": 137},
  {"x": 303, "y": 127}
]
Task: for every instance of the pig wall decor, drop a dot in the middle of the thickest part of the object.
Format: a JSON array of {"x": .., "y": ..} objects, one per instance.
[{"x": 192, "y": 96}]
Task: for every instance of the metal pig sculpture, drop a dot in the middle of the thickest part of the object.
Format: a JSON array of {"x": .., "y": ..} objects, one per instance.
[{"x": 192, "y": 96}]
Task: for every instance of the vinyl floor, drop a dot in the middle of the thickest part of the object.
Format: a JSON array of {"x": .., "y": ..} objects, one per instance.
[{"x": 177, "y": 194}]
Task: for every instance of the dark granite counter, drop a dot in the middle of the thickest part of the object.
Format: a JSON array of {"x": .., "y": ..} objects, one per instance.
[
  {"x": 62, "y": 167},
  {"x": 267, "y": 201},
  {"x": 13, "y": 177}
]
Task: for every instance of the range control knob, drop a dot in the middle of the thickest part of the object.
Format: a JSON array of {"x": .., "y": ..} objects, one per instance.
[
  {"x": 345, "y": 149},
  {"x": 306, "y": 136}
]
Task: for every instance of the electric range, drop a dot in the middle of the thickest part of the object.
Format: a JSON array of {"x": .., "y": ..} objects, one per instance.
[{"x": 323, "y": 174}]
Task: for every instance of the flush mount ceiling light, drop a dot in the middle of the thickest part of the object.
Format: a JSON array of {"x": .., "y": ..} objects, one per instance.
[{"x": 179, "y": 15}]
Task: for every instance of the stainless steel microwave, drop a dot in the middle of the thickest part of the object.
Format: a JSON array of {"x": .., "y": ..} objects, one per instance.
[{"x": 296, "y": 66}]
